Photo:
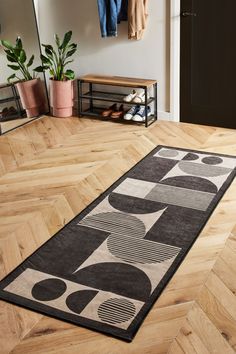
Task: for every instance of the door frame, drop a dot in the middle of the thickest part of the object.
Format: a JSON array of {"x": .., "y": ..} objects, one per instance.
[{"x": 175, "y": 60}]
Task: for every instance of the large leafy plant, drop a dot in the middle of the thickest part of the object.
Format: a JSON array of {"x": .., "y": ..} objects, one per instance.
[
  {"x": 56, "y": 60},
  {"x": 16, "y": 55}
]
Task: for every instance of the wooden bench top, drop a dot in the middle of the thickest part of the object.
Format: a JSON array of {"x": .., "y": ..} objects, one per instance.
[{"x": 117, "y": 80}]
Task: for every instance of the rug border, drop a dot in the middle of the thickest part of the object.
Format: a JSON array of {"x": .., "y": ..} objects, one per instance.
[{"x": 134, "y": 327}]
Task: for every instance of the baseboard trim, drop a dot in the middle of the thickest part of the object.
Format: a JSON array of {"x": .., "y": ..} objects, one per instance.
[{"x": 162, "y": 115}]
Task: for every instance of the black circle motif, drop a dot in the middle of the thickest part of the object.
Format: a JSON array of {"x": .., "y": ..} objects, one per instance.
[
  {"x": 212, "y": 160},
  {"x": 190, "y": 157},
  {"x": 78, "y": 300},
  {"x": 48, "y": 289}
]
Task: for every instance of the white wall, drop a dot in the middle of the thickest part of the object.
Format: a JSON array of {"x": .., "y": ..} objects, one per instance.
[{"x": 148, "y": 58}]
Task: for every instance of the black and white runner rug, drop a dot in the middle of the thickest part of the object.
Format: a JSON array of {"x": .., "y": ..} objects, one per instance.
[{"x": 106, "y": 268}]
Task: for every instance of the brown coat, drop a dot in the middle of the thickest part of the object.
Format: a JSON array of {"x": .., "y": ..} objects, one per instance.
[{"x": 137, "y": 18}]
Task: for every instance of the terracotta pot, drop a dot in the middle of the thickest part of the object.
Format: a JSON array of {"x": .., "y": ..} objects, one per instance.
[
  {"x": 61, "y": 98},
  {"x": 32, "y": 97}
]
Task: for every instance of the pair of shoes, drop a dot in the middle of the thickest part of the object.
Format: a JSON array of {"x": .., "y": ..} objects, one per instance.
[
  {"x": 108, "y": 111},
  {"x": 137, "y": 113},
  {"x": 12, "y": 111},
  {"x": 8, "y": 112},
  {"x": 114, "y": 112},
  {"x": 135, "y": 96}
]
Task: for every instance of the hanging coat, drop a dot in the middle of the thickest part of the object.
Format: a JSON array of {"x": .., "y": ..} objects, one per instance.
[{"x": 137, "y": 18}]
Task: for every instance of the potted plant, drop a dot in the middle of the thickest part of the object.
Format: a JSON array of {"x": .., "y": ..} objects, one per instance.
[
  {"x": 61, "y": 80},
  {"x": 29, "y": 87}
]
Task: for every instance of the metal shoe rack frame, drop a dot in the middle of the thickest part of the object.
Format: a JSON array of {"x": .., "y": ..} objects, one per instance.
[
  {"x": 14, "y": 97},
  {"x": 92, "y": 95}
]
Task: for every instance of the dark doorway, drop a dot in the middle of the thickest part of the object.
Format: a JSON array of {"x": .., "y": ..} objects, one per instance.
[{"x": 208, "y": 62}]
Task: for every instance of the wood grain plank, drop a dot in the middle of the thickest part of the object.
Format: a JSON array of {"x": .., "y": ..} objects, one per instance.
[
  {"x": 189, "y": 341},
  {"x": 219, "y": 315},
  {"x": 207, "y": 332}
]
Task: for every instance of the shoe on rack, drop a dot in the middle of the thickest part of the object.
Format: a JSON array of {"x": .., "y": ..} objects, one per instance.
[
  {"x": 118, "y": 113},
  {"x": 130, "y": 97},
  {"x": 140, "y": 97},
  {"x": 140, "y": 115},
  {"x": 5, "y": 112},
  {"x": 133, "y": 110},
  {"x": 9, "y": 114},
  {"x": 12, "y": 111},
  {"x": 108, "y": 111}
]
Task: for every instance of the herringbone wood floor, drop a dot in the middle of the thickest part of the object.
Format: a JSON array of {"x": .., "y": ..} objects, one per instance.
[{"x": 50, "y": 170}]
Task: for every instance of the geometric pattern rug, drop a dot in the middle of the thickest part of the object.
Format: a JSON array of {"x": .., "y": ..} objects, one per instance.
[{"x": 105, "y": 269}]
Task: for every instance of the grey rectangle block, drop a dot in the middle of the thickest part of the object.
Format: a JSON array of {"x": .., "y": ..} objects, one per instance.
[{"x": 183, "y": 197}]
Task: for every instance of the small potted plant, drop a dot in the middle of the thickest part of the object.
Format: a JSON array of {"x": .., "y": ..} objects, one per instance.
[
  {"x": 61, "y": 80},
  {"x": 29, "y": 87}
]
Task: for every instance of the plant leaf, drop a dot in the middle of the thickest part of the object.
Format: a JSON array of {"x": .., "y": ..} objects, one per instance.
[
  {"x": 66, "y": 40},
  {"x": 7, "y": 44},
  {"x": 45, "y": 60},
  {"x": 49, "y": 46},
  {"x": 30, "y": 61},
  {"x": 22, "y": 57},
  {"x": 69, "y": 74},
  {"x": 7, "y": 51},
  {"x": 13, "y": 67},
  {"x": 70, "y": 53},
  {"x": 11, "y": 77},
  {"x": 48, "y": 52},
  {"x": 72, "y": 46},
  {"x": 57, "y": 40},
  {"x": 11, "y": 58},
  {"x": 51, "y": 71},
  {"x": 67, "y": 62},
  {"x": 41, "y": 69},
  {"x": 17, "y": 52},
  {"x": 19, "y": 43},
  {"x": 59, "y": 72}
]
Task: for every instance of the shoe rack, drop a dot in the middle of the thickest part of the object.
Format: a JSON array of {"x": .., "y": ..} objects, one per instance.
[
  {"x": 12, "y": 97},
  {"x": 96, "y": 100}
]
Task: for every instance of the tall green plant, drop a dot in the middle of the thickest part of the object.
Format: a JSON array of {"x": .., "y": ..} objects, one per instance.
[
  {"x": 56, "y": 60},
  {"x": 17, "y": 55}
]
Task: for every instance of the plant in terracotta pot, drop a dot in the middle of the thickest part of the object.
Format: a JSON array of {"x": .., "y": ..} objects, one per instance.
[
  {"x": 29, "y": 87},
  {"x": 61, "y": 80}
]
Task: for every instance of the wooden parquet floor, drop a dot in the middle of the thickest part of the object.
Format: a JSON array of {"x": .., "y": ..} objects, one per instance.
[{"x": 50, "y": 170}]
